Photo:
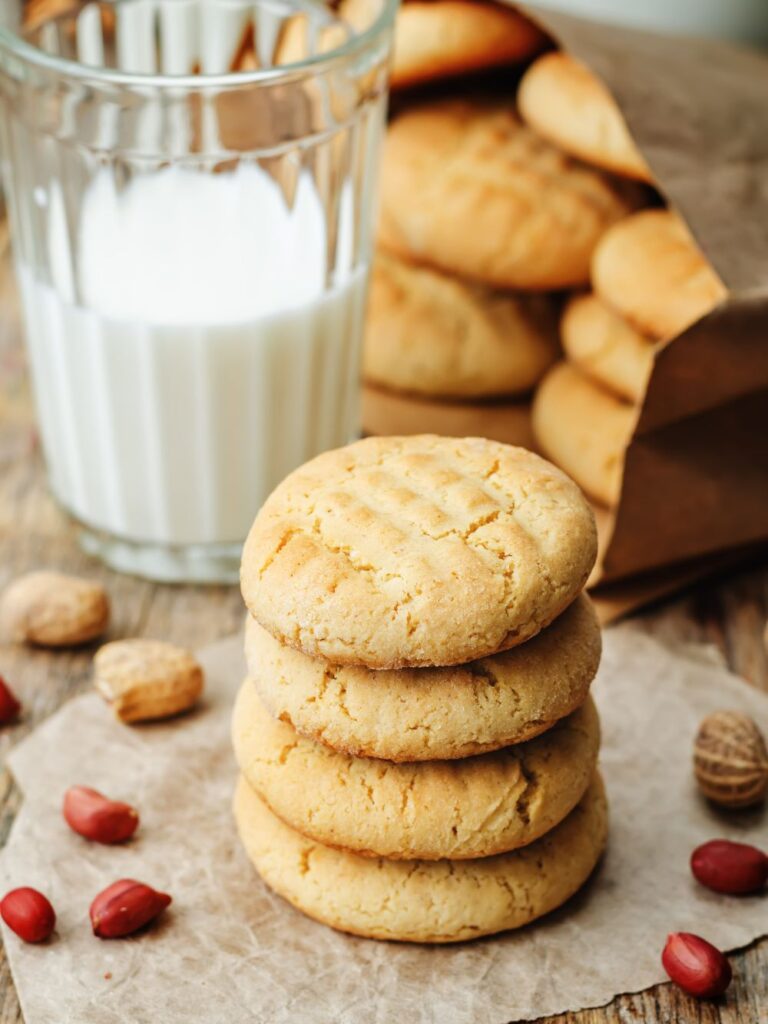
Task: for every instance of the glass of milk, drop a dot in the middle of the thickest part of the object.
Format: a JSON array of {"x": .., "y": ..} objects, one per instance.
[{"x": 191, "y": 187}]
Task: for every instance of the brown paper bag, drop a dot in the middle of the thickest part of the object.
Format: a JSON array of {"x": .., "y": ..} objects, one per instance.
[{"x": 696, "y": 473}]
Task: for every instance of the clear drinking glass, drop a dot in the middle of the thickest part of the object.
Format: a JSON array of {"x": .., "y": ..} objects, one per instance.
[{"x": 191, "y": 187}]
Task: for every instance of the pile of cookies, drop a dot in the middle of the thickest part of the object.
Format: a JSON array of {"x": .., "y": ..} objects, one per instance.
[
  {"x": 416, "y": 741},
  {"x": 438, "y": 355},
  {"x": 483, "y": 223},
  {"x": 517, "y": 221},
  {"x": 649, "y": 282}
]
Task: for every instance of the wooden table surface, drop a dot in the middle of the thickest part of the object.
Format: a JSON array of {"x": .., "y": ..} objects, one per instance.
[{"x": 730, "y": 612}]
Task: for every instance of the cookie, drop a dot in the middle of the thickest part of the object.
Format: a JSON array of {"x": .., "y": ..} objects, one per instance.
[
  {"x": 424, "y": 901},
  {"x": 471, "y": 190},
  {"x": 585, "y": 430},
  {"x": 607, "y": 348},
  {"x": 431, "y": 714},
  {"x": 432, "y": 334},
  {"x": 471, "y": 807},
  {"x": 561, "y": 99},
  {"x": 650, "y": 270},
  {"x": 387, "y": 412},
  {"x": 442, "y": 38},
  {"x": 400, "y": 552}
]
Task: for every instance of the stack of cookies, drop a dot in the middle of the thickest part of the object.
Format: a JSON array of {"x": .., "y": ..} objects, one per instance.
[
  {"x": 483, "y": 223},
  {"x": 416, "y": 740},
  {"x": 649, "y": 281}
]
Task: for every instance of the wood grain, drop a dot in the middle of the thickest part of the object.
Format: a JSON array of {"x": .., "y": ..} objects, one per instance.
[{"x": 729, "y": 612}]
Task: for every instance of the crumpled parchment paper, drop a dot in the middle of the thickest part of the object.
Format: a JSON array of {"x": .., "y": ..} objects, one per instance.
[{"x": 230, "y": 951}]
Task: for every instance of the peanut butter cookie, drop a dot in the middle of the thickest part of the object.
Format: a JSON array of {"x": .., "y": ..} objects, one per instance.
[
  {"x": 470, "y": 807},
  {"x": 650, "y": 270},
  {"x": 606, "y": 347},
  {"x": 437, "y": 39},
  {"x": 433, "y": 334},
  {"x": 566, "y": 103},
  {"x": 402, "y": 552},
  {"x": 424, "y": 901},
  {"x": 471, "y": 190},
  {"x": 427, "y": 714},
  {"x": 585, "y": 430}
]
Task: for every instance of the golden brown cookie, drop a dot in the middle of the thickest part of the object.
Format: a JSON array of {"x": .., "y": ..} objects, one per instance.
[
  {"x": 424, "y": 901},
  {"x": 435, "y": 335},
  {"x": 471, "y": 190},
  {"x": 565, "y": 102},
  {"x": 437, "y": 39},
  {"x": 431, "y": 714},
  {"x": 585, "y": 430},
  {"x": 650, "y": 270},
  {"x": 402, "y": 552},
  {"x": 606, "y": 347},
  {"x": 387, "y": 412},
  {"x": 469, "y": 807}
]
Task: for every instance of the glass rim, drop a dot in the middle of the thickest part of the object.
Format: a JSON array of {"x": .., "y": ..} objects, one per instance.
[{"x": 75, "y": 70}]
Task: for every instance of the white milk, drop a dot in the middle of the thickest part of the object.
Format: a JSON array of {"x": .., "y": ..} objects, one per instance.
[{"x": 205, "y": 358}]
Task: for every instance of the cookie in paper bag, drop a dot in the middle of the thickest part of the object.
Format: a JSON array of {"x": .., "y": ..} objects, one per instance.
[
  {"x": 433, "y": 334},
  {"x": 584, "y": 429},
  {"x": 606, "y": 347},
  {"x": 437, "y": 39},
  {"x": 650, "y": 270},
  {"x": 566, "y": 103},
  {"x": 471, "y": 190}
]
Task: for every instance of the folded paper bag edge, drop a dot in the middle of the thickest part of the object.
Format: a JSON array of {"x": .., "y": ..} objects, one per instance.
[{"x": 678, "y": 96}]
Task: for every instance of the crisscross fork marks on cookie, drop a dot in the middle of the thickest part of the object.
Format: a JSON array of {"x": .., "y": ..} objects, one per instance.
[
  {"x": 418, "y": 551},
  {"x": 469, "y": 189},
  {"x": 396, "y": 505}
]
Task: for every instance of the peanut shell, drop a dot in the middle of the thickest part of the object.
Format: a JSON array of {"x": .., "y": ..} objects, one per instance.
[
  {"x": 730, "y": 760},
  {"x": 147, "y": 679},
  {"x": 53, "y": 610}
]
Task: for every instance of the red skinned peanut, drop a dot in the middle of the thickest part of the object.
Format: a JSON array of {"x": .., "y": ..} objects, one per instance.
[
  {"x": 735, "y": 868},
  {"x": 698, "y": 967},
  {"x": 124, "y": 907},
  {"x": 9, "y": 705},
  {"x": 95, "y": 817},
  {"x": 28, "y": 913}
]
